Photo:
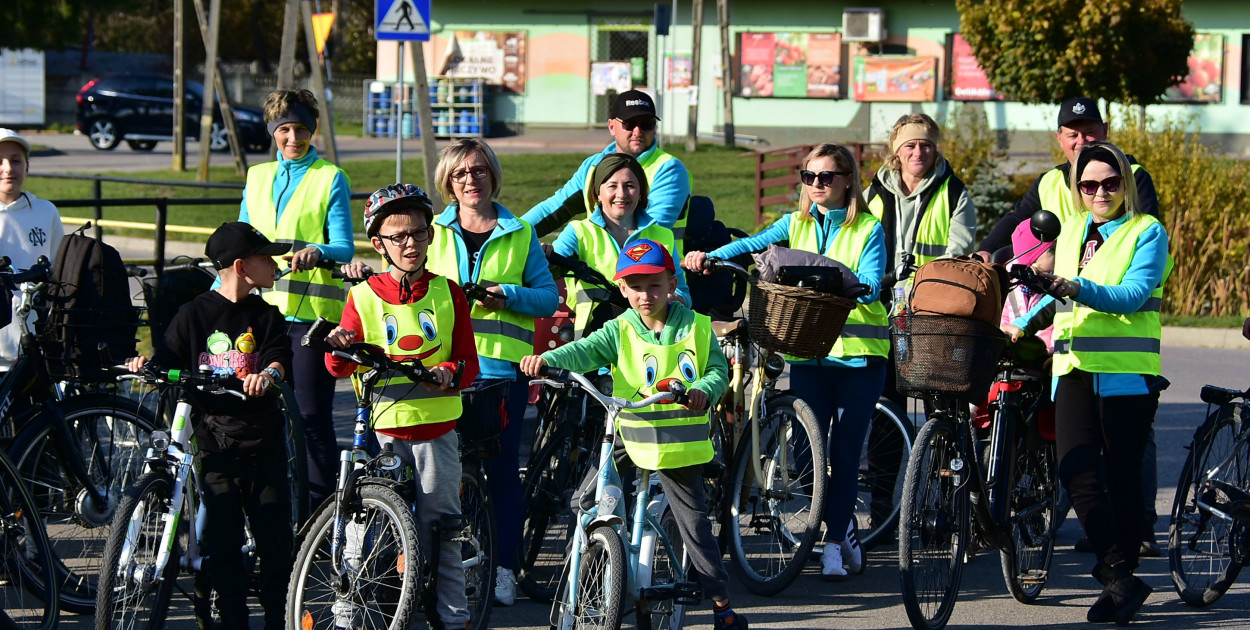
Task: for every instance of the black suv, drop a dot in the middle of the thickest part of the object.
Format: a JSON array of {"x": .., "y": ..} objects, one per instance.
[{"x": 140, "y": 108}]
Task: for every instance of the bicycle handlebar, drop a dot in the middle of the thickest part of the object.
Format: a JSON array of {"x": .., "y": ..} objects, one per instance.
[
  {"x": 557, "y": 377},
  {"x": 41, "y": 271},
  {"x": 205, "y": 377},
  {"x": 475, "y": 291},
  {"x": 371, "y": 356},
  {"x": 715, "y": 264}
]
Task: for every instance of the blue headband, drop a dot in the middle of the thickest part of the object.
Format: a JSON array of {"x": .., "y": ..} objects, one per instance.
[{"x": 295, "y": 113}]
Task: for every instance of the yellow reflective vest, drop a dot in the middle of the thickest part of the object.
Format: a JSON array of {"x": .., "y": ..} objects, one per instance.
[
  {"x": 867, "y": 331},
  {"x": 662, "y": 436},
  {"x": 500, "y": 334},
  {"x": 1094, "y": 341},
  {"x": 422, "y": 329},
  {"x": 933, "y": 232},
  {"x": 650, "y": 167},
  {"x": 306, "y": 295},
  {"x": 597, "y": 248}
]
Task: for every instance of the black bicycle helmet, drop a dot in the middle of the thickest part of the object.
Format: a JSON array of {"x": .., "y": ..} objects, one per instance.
[{"x": 387, "y": 201}]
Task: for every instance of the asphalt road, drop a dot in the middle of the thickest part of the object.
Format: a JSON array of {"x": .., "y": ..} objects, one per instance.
[{"x": 873, "y": 601}]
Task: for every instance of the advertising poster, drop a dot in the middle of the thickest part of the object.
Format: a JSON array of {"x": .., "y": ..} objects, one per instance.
[
  {"x": 906, "y": 79},
  {"x": 679, "y": 69},
  {"x": 1205, "y": 81},
  {"x": 968, "y": 80},
  {"x": 498, "y": 57},
  {"x": 610, "y": 76},
  {"x": 789, "y": 65}
]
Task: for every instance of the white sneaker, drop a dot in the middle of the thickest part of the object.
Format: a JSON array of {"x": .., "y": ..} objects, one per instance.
[
  {"x": 852, "y": 552},
  {"x": 505, "y": 587},
  {"x": 831, "y": 563}
]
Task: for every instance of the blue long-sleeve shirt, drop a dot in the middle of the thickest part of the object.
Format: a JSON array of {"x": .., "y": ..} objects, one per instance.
[
  {"x": 338, "y": 216},
  {"x": 1145, "y": 273},
  {"x": 567, "y": 244},
  {"x": 537, "y": 297},
  {"x": 667, "y": 193},
  {"x": 869, "y": 271}
]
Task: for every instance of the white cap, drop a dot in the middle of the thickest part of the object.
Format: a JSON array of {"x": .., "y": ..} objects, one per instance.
[{"x": 8, "y": 135}]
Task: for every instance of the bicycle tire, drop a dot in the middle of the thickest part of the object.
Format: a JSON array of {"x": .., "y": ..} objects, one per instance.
[
  {"x": 113, "y": 433},
  {"x": 390, "y": 571},
  {"x": 26, "y": 556},
  {"x": 1031, "y": 547},
  {"x": 600, "y": 585},
  {"x": 547, "y": 491},
  {"x": 665, "y": 614},
  {"x": 1199, "y": 543},
  {"x": 124, "y": 601},
  {"x": 882, "y": 449},
  {"x": 296, "y": 455},
  {"x": 772, "y": 531},
  {"x": 933, "y": 526},
  {"x": 479, "y": 549}
]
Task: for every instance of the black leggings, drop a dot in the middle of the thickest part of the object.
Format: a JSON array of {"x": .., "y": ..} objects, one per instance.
[
  {"x": 1101, "y": 442},
  {"x": 314, "y": 390}
]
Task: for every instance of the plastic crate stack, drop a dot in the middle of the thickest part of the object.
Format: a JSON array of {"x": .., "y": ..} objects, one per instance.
[{"x": 458, "y": 109}]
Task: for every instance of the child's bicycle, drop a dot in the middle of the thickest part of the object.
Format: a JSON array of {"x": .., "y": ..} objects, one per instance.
[
  {"x": 609, "y": 562},
  {"x": 1209, "y": 538},
  {"x": 159, "y": 525},
  {"x": 360, "y": 564}
]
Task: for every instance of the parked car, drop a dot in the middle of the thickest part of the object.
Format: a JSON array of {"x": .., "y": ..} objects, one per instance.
[{"x": 140, "y": 108}]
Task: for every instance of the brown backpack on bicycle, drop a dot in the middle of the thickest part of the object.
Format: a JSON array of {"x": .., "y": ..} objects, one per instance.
[{"x": 960, "y": 287}]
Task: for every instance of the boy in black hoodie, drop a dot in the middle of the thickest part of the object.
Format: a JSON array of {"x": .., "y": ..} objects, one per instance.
[{"x": 242, "y": 469}]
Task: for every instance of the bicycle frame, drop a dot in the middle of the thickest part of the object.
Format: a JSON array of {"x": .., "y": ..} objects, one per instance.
[{"x": 1210, "y": 476}]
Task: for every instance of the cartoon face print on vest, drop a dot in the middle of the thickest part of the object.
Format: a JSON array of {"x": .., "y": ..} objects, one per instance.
[
  {"x": 685, "y": 370},
  {"x": 420, "y": 343}
]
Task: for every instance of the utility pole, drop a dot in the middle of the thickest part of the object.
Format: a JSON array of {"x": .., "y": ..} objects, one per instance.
[
  {"x": 180, "y": 91},
  {"x": 214, "y": 78},
  {"x": 210, "y": 84},
  {"x": 429, "y": 153},
  {"x": 290, "y": 35},
  {"x": 692, "y": 124},
  {"x": 319, "y": 87},
  {"x": 722, "y": 7}
]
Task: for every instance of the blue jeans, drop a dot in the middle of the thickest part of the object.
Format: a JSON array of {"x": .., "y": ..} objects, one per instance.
[{"x": 844, "y": 398}]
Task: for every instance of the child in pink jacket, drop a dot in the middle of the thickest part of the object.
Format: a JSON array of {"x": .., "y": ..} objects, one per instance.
[{"x": 1022, "y": 302}]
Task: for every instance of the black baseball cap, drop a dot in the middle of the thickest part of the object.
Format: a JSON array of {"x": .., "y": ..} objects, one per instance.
[
  {"x": 1078, "y": 108},
  {"x": 235, "y": 240},
  {"x": 632, "y": 104}
]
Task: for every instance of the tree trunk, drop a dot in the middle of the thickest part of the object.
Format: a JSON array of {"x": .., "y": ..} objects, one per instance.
[
  {"x": 726, "y": 71},
  {"x": 696, "y": 27}
]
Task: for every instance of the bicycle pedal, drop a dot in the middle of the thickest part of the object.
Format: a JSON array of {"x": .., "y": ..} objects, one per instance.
[
  {"x": 1035, "y": 576},
  {"x": 688, "y": 593}
]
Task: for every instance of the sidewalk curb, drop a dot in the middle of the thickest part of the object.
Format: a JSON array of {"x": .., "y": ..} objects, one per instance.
[{"x": 1221, "y": 338}]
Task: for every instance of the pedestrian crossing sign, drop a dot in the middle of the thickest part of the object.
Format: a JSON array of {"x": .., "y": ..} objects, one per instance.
[{"x": 402, "y": 20}]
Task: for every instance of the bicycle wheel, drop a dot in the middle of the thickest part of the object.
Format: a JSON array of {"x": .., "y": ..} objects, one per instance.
[
  {"x": 112, "y": 434},
  {"x": 131, "y": 593},
  {"x": 600, "y": 585},
  {"x": 548, "y": 490},
  {"x": 1026, "y": 559},
  {"x": 360, "y": 570},
  {"x": 669, "y": 565},
  {"x": 25, "y": 557},
  {"x": 1201, "y": 545},
  {"x": 478, "y": 551},
  {"x": 933, "y": 525},
  {"x": 773, "y": 523},
  {"x": 881, "y": 464},
  {"x": 296, "y": 455}
]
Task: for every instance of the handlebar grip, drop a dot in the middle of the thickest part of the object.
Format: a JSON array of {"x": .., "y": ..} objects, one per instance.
[
  {"x": 135, "y": 271},
  {"x": 337, "y": 273},
  {"x": 553, "y": 373},
  {"x": 4, "y": 263},
  {"x": 681, "y": 395},
  {"x": 315, "y": 338}
]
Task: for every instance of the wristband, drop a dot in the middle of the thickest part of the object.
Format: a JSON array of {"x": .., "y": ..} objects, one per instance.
[{"x": 273, "y": 373}]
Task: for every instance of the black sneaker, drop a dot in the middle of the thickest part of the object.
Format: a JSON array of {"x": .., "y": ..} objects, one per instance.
[{"x": 735, "y": 621}]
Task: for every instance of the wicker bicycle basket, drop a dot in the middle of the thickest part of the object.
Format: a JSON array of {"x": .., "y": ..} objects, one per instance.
[
  {"x": 943, "y": 354},
  {"x": 795, "y": 320}
]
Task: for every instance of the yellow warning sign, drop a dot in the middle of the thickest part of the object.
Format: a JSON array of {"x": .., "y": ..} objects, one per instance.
[{"x": 321, "y": 29}]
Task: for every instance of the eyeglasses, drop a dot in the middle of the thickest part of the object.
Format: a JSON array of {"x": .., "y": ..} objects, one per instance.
[
  {"x": 398, "y": 239},
  {"x": 1091, "y": 186},
  {"x": 644, "y": 123},
  {"x": 824, "y": 177},
  {"x": 476, "y": 173}
]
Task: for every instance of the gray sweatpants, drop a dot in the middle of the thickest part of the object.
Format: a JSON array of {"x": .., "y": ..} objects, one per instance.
[{"x": 436, "y": 474}]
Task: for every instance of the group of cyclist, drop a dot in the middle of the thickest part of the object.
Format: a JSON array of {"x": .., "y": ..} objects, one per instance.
[{"x": 1110, "y": 262}]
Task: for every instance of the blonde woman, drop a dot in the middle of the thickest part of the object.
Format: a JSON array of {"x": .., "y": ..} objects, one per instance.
[
  {"x": 1110, "y": 262},
  {"x": 842, "y": 389}
]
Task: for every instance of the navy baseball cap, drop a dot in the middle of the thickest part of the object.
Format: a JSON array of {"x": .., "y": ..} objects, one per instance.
[
  {"x": 643, "y": 256},
  {"x": 1078, "y": 108}
]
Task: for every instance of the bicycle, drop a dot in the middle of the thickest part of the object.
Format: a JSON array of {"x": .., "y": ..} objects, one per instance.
[
  {"x": 25, "y": 557},
  {"x": 478, "y": 549},
  {"x": 963, "y": 492},
  {"x": 75, "y": 455},
  {"x": 1209, "y": 537},
  {"x": 360, "y": 561},
  {"x": 159, "y": 525},
  {"x": 771, "y": 500},
  {"x": 562, "y": 450},
  {"x": 610, "y": 560},
  {"x": 884, "y": 455}
]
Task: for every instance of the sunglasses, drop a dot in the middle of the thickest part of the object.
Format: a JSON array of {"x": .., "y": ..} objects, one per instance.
[
  {"x": 644, "y": 123},
  {"x": 1091, "y": 186},
  {"x": 824, "y": 177}
]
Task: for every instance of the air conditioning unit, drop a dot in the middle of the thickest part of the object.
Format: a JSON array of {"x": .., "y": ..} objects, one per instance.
[{"x": 863, "y": 24}]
